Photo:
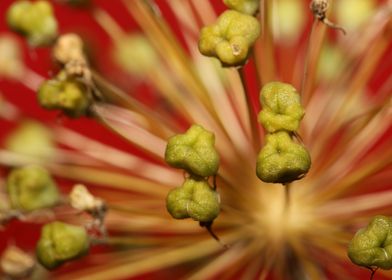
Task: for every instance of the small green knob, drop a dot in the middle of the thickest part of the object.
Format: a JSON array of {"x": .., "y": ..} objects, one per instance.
[
  {"x": 33, "y": 19},
  {"x": 244, "y": 6},
  {"x": 372, "y": 246},
  {"x": 194, "y": 199},
  {"x": 60, "y": 243},
  {"x": 67, "y": 95},
  {"x": 31, "y": 187},
  {"x": 281, "y": 160},
  {"x": 230, "y": 38},
  {"x": 194, "y": 152},
  {"x": 281, "y": 107}
]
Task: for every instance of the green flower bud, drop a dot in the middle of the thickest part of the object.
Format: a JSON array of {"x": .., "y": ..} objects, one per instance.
[
  {"x": 230, "y": 38},
  {"x": 31, "y": 138},
  {"x": 67, "y": 95},
  {"x": 372, "y": 246},
  {"x": 31, "y": 187},
  {"x": 194, "y": 199},
  {"x": 281, "y": 160},
  {"x": 282, "y": 108},
  {"x": 61, "y": 242},
  {"x": 35, "y": 20},
  {"x": 193, "y": 151},
  {"x": 244, "y": 6}
]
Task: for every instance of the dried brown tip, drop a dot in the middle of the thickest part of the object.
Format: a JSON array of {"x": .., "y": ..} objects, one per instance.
[{"x": 319, "y": 9}]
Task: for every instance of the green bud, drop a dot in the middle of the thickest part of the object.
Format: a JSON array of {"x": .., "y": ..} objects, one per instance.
[
  {"x": 281, "y": 107},
  {"x": 281, "y": 160},
  {"x": 31, "y": 187},
  {"x": 67, "y": 95},
  {"x": 35, "y": 20},
  {"x": 372, "y": 246},
  {"x": 193, "y": 151},
  {"x": 194, "y": 199},
  {"x": 61, "y": 242},
  {"x": 244, "y": 6},
  {"x": 31, "y": 138},
  {"x": 230, "y": 38}
]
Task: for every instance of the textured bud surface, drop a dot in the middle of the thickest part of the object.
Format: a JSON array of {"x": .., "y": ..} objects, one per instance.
[
  {"x": 244, "y": 6},
  {"x": 194, "y": 199},
  {"x": 193, "y": 151},
  {"x": 281, "y": 160},
  {"x": 33, "y": 19},
  {"x": 372, "y": 246},
  {"x": 31, "y": 188},
  {"x": 61, "y": 242},
  {"x": 230, "y": 38},
  {"x": 281, "y": 107}
]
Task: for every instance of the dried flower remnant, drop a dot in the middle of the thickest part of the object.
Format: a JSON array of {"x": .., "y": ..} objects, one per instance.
[
  {"x": 319, "y": 9},
  {"x": 60, "y": 242},
  {"x": 31, "y": 188},
  {"x": 249, "y": 7},
  {"x": 371, "y": 247},
  {"x": 230, "y": 38},
  {"x": 16, "y": 264},
  {"x": 33, "y": 19}
]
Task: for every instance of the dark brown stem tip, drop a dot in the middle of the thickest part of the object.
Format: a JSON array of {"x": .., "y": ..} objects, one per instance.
[
  {"x": 208, "y": 226},
  {"x": 330, "y": 24}
]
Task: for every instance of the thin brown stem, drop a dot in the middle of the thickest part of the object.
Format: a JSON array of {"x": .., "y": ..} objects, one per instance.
[
  {"x": 208, "y": 226},
  {"x": 287, "y": 196},
  {"x": 373, "y": 272}
]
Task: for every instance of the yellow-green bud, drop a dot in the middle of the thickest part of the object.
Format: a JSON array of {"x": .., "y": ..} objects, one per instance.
[
  {"x": 60, "y": 243},
  {"x": 31, "y": 187},
  {"x": 31, "y": 138},
  {"x": 372, "y": 246},
  {"x": 67, "y": 95},
  {"x": 244, "y": 6},
  {"x": 194, "y": 152},
  {"x": 230, "y": 38},
  {"x": 281, "y": 107},
  {"x": 33, "y": 19},
  {"x": 281, "y": 160},
  {"x": 194, "y": 199}
]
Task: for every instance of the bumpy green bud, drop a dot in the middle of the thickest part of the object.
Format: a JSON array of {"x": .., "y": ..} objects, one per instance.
[
  {"x": 372, "y": 246},
  {"x": 282, "y": 108},
  {"x": 281, "y": 160},
  {"x": 193, "y": 151},
  {"x": 33, "y": 19},
  {"x": 67, "y": 95},
  {"x": 194, "y": 199},
  {"x": 31, "y": 187},
  {"x": 230, "y": 38},
  {"x": 61, "y": 242},
  {"x": 244, "y": 6},
  {"x": 31, "y": 138}
]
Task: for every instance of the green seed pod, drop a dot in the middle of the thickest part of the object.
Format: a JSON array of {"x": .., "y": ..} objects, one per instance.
[
  {"x": 230, "y": 38},
  {"x": 35, "y": 20},
  {"x": 244, "y": 6},
  {"x": 194, "y": 152},
  {"x": 31, "y": 187},
  {"x": 67, "y": 95},
  {"x": 61, "y": 242},
  {"x": 194, "y": 199},
  {"x": 372, "y": 246},
  {"x": 282, "y": 109},
  {"x": 281, "y": 160}
]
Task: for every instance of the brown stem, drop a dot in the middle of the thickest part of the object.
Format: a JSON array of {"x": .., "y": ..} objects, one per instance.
[{"x": 208, "y": 226}]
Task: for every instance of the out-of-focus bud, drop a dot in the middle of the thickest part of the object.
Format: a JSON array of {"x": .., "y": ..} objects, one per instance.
[
  {"x": 353, "y": 13},
  {"x": 11, "y": 63},
  {"x": 16, "y": 264},
  {"x": 249, "y": 7},
  {"x": 81, "y": 199}
]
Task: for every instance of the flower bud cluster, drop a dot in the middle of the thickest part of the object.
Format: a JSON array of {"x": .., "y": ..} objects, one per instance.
[
  {"x": 195, "y": 153},
  {"x": 281, "y": 160}
]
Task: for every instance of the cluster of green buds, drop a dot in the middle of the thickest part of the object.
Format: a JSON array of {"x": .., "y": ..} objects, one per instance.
[
  {"x": 371, "y": 247},
  {"x": 230, "y": 38},
  {"x": 249, "y": 7},
  {"x": 31, "y": 188},
  {"x": 35, "y": 20},
  {"x": 60, "y": 242},
  {"x": 65, "y": 93},
  {"x": 195, "y": 153},
  {"x": 281, "y": 160}
]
